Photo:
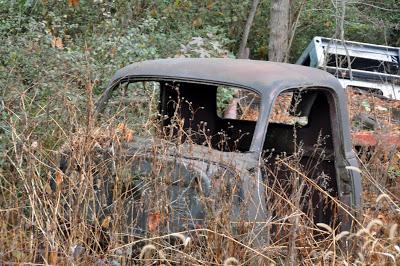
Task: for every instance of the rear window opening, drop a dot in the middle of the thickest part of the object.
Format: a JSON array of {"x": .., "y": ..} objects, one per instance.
[
  {"x": 238, "y": 104},
  {"x": 221, "y": 117}
]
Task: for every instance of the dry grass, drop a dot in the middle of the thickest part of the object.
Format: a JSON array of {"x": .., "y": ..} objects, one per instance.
[{"x": 49, "y": 216}]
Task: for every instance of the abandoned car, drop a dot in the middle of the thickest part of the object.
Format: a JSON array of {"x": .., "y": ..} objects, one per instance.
[{"x": 235, "y": 140}]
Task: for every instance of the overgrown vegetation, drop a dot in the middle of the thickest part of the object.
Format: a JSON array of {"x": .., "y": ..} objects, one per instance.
[{"x": 55, "y": 59}]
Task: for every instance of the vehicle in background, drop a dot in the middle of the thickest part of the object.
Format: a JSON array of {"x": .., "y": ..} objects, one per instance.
[{"x": 372, "y": 67}]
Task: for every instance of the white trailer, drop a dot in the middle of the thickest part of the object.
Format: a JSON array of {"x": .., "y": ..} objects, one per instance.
[{"x": 358, "y": 65}]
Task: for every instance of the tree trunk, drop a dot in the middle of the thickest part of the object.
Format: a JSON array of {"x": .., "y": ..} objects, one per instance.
[
  {"x": 243, "y": 52},
  {"x": 279, "y": 30}
]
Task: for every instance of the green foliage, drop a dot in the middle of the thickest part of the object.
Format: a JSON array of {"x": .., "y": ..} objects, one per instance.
[
  {"x": 90, "y": 47},
  {"x": 97, "y": 37},
  {"x": 224, "y": 97},
  {"x": 364, "y": 22}
]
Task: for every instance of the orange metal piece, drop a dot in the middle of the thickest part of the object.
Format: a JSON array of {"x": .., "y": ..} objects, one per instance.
[{"x": 370, "y": 138}]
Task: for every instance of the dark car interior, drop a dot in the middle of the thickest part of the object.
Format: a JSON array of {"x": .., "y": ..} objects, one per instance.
[
  {"x": 313, "y": 143},
  {"x": 198, "y": 111}
]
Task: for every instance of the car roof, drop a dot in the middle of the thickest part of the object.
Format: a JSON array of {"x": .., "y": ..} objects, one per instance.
[
  {"x": 267, "y": 78},
  {"x": 262, "y": 76}
]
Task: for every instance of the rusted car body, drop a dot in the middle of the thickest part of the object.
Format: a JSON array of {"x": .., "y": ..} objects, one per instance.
[{"x": 238, "y": 165}]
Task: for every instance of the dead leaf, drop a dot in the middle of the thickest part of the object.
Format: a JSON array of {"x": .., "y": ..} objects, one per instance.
[
  {"x": 121, "y": 127},
  {"x": 59, "y": 178},
  {"x": 381, "y": 216},
  {"x": 328, "y": 24},
  {"x": 73, "y": 3},
  {"x": 210, "y": 4},
  {"x": 89, "y": 87},
  {"x": 198, "y": 22},
  {"x": 56, "y": 42},
  {"x": 153, "y": 221},
  {"x": 106, "y": 222},
  {"x": 129, "y": 135},
  {"x": 52, "y": 257},
  {"x": 153, "y": 12}
]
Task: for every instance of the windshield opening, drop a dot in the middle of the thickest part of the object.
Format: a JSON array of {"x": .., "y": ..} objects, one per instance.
[{"x": 220, "y": 117}]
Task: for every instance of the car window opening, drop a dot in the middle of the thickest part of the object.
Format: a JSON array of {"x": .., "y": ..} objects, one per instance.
[
  {"x": 300, "y": 130},
  {"x": 221, "y": 117}
]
